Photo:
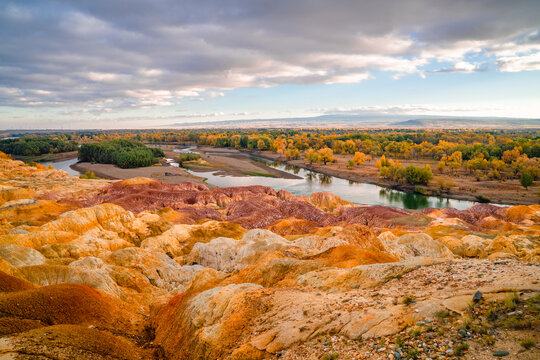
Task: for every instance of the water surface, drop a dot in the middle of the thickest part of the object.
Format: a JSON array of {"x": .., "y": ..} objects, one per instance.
[
  {"x": 311, "y": 182},
  {"x": 63, "y": 165}
]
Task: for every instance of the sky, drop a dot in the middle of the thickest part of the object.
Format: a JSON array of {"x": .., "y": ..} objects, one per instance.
[{"x": 142, "y": 64}]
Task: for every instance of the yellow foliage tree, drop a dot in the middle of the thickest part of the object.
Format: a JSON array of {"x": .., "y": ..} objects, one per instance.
[
  {"x": 311, "y": 156},
  {"x": 326, "y": 155},
  {"x": 360, "y": 158}
]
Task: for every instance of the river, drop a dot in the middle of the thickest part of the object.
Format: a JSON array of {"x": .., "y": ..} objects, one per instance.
[
  {"x": 63, "y": 165},
  {"x": 311, "y": 182}
]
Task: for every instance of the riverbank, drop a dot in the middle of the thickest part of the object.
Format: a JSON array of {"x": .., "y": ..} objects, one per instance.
[
  {"x": 509, "y": 192},
  {"x": 167, "y": 174},
  {"x": 47, "y": 157},
  {"x": 236, "y": 164}
]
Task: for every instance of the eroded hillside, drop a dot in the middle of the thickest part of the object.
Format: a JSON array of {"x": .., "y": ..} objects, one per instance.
[{"x": 137, "y": 269}]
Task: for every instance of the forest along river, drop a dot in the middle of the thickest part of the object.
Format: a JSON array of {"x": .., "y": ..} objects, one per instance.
[{"x": 311, "y": 182}]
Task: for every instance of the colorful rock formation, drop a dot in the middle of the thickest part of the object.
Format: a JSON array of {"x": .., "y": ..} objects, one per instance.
[{"x": 141, "y": 269}]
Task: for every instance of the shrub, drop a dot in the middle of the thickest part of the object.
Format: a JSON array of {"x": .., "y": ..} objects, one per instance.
[
  {"x": 418, "y": 175},
  {"x": 188, "y": 157},
  {"x": 88, "y": 175},
  {"x": 460, "y": 349},
  {"x": 527, "y": 343},
  {"x": 483, "y": 199},
  {"x": 408, "y": 300},
  {"x": 526, "y": 180}
]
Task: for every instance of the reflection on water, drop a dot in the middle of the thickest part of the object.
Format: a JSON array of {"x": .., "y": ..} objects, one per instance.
[
  {"x": 311, "y": 181},
  {"x": 63, "y": 165},
  {"x": 408, "y": 199},
  {"x": 325, "y": 179}
]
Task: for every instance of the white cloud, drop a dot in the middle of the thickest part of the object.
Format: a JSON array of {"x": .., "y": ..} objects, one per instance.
[
  {"x": 347, "y": 78},
  {"x": 214, "y": 94},
  {"x": 186, "y": 93},
  {"x": 104, "y": 77},
  {"x": 147, "y": 98},
  {"x": 41, "y": 92},
  {"x": 150, "y": 72},
  {"x": 453, "y": 52},
  {"x": 519, "y": 63},
  {"x": 463, "y": 67}
]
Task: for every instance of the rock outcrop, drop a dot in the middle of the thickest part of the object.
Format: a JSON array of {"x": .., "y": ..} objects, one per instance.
[{"x": 139, "y": 269}]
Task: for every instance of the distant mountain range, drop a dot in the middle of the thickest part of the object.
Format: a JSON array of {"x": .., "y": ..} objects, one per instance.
[{"x": 369, "y": 121}]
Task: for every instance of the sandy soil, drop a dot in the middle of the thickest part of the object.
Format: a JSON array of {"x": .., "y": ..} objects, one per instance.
[
  {"x": 466, "y": 187},
  {"x": 167, "y": 174}
]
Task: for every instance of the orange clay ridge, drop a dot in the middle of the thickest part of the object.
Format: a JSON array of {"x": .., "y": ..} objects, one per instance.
[{"x": 139, "y": 269}]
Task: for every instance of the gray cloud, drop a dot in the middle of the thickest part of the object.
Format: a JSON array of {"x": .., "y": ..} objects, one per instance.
[{"x": 117, "y": 55}]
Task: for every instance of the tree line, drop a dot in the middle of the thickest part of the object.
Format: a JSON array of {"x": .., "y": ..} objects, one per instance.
[
  {"x": 34, "y": 146},
  {"x": 121, "y": 152}
]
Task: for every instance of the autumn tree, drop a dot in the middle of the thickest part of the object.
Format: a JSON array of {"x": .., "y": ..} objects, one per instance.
[
  {"x": 382, "y": 162},
  {"x": 455, "y": 161},
  {"x": 261, "y": 145},
  {"x": 393, "y": 170},
  {"x": 511, "y": 155},
  {"x": 326, "y": 155},
  {"x": 360, "y": 158},
  {"x": 292, "y": 153},
  {"x": 280, "y": 146},
  {"x": 349, "y": 146},
  {"x": 311, "y": 156}
]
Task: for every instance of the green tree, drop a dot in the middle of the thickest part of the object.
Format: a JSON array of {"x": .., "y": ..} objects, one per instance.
[
  {"x": 526, "y": 179},
  {"x": 418, "y": 175}
]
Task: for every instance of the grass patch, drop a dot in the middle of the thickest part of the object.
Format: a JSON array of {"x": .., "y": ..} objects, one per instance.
[
  {"x": 442, "y": 314},
  {"x": 88, "y": 175},
  {"x": 254, "y": 173},
  {"x": 487, "y": 340},
  {"x": 413, "y": 353},
  {"x": 415, "y": 332},
  {"x": 461, "y": 348},
  {"x": 527, "y": 343},
  {"x": 330, "y": 357},
  {"x": 408, "y": 300},
  {"x": 399, "y": 341},
  {"x": 188, "y": 157}
]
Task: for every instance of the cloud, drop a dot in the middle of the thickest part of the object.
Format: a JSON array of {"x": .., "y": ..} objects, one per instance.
[
  {"x": 519, "y": 63},
  {"x": 104, "y": 77},
  {"x": 405, "y": 109},
  {"x": 154, "y": 54},
  {"x": 215, "y": 94},
  {"x": 463, "y": 67}
]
